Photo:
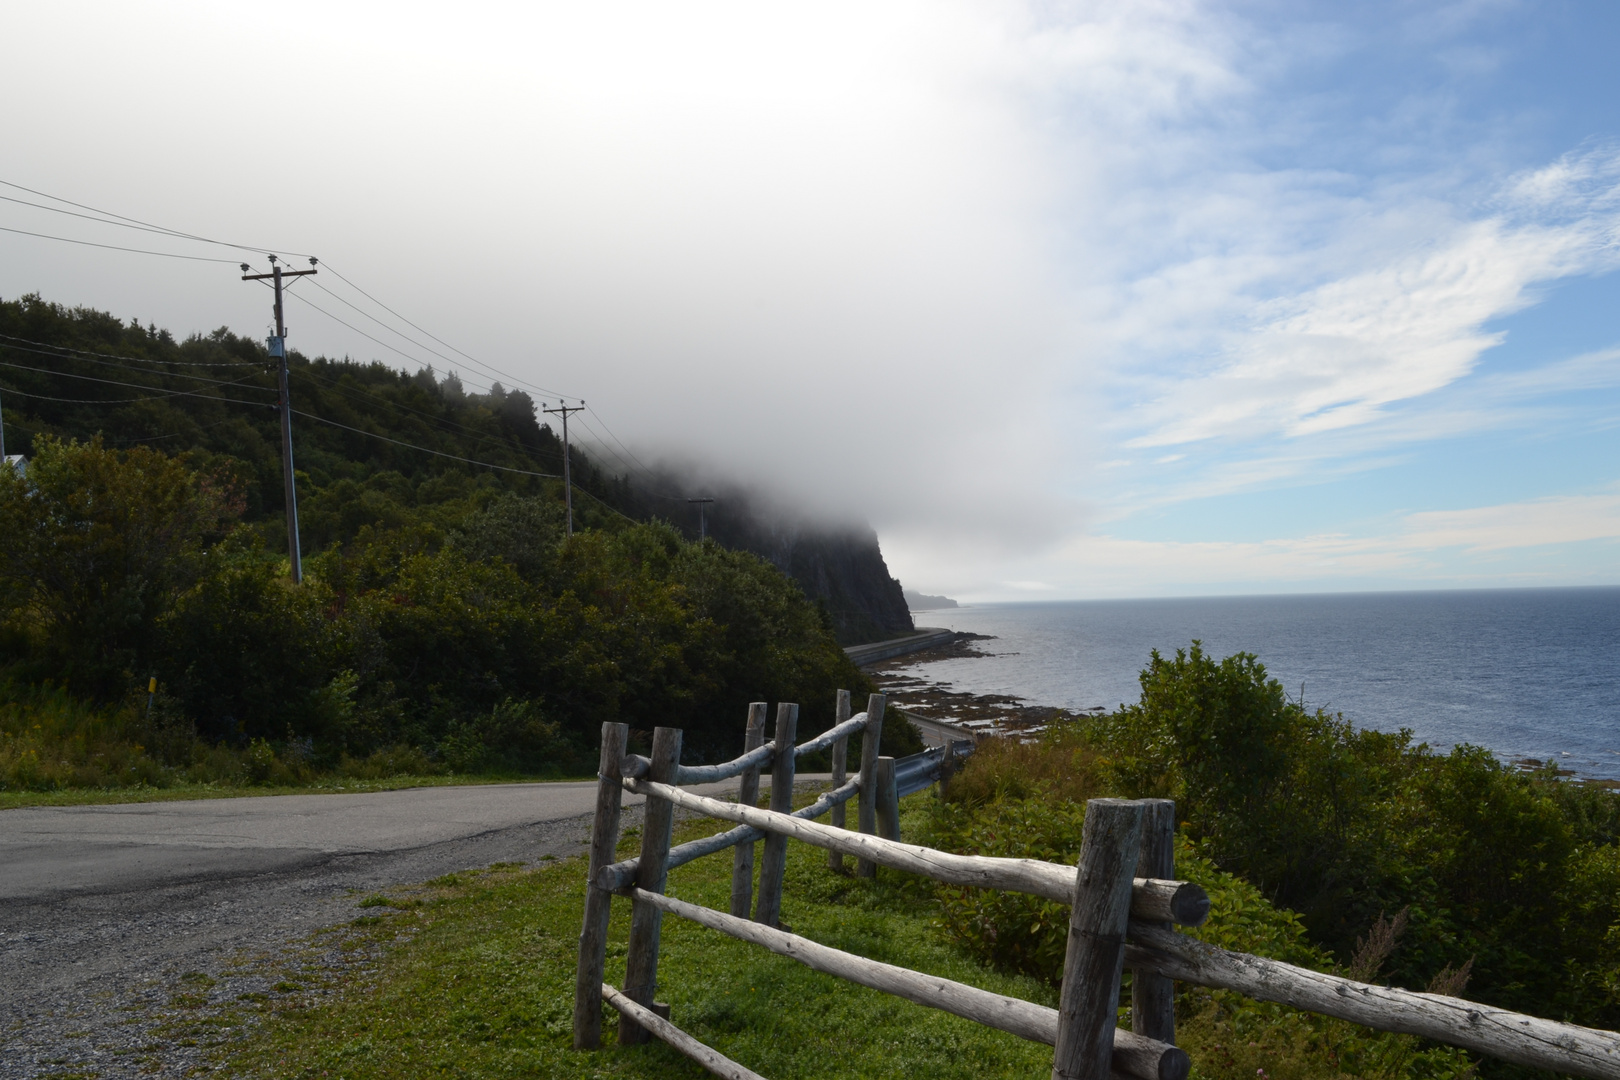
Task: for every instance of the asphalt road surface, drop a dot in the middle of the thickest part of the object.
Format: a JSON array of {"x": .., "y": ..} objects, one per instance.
[{"x": 102, "y": 907}]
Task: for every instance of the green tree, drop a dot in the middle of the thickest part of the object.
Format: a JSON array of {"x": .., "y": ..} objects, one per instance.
[{"x": 98, "y": 542}]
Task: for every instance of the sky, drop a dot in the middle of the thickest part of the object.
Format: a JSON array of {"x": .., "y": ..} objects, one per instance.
[{"x": 1067, "y": 300}]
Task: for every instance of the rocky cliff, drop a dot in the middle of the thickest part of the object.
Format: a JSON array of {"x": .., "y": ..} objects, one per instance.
[{"x": 839, "y": 567}]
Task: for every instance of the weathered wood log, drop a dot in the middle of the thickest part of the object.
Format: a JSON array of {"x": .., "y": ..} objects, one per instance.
[
  {"x": 1153, "y": 1007},
  {"x": 1088, "y": 1004},
  {"x": 1510, "y": 1036},
  {"x": 598, "y": 904},
  {"x": 708, "y": 1057},
  {"x": 1133, "y": 1055},
  {"x": 888, "y": 800},
  {"x": 742, "y": 863},
  {"x": 711, "y": 774},
  {"x": 1150, "y": 899},
  {"x": 657, "y": 825},
  {"x": 621, "y": 875},
  {"x": 853, "y": 725},
  {"x": 840, "y": 767},
  {"x": 866, "y": 809},
  {"x": 1181, "y": 902},
  {"x": 773, "y": 860},
  {"x": 634, "y": 766}
]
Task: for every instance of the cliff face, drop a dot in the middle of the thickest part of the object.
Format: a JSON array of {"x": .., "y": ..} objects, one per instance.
[
  {"x": 839, "y": 567},
  {"x": 842, "y": 570}
]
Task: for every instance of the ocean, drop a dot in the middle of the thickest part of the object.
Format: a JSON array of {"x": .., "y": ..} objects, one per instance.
[{"x": 1526, "y": 673}]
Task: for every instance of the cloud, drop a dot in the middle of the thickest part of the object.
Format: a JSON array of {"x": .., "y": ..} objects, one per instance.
[
  {"x": 1563, "y": 519},
  {"x": 989, "y": 273},
  {"x": 1420, "y": 549},
  {"x": 1334, "y": 356}
]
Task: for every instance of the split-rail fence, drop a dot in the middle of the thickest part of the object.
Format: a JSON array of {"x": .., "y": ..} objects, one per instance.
[{"x": 1123, "y": 899}]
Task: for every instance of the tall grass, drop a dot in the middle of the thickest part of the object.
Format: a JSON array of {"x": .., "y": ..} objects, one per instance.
[{"x": 51, "y": 741}]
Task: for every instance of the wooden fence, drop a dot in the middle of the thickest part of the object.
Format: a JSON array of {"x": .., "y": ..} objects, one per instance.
[{"x": 1123, "y": 900}]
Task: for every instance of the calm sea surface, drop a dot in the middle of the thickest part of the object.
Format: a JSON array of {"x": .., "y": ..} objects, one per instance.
[{"x": 1524, "y": 672}]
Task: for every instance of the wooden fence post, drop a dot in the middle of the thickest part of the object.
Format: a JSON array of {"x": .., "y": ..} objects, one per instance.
[
  {"x": 598, "y": 902},
  {"x": 742, "y": 862},
  {"x": 646, "y": 921},
  {"x": 888, "y": 800},
  {"x": 840, "y": 768},
  {"x": 773, "y": 861},
  {"x": 866, "y": 808},
  {"x": 1153, "y": 1003},
  {"x": 1088, "y": 1007}
]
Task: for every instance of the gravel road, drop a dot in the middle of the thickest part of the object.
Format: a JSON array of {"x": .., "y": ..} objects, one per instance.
[{"x": 106, "y": 912}]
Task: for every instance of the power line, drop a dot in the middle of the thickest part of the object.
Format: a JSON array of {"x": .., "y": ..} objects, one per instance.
[
  {"x": 157, "y": 391},
  {"x": 467, "y": 356},
  {"x": 425, "y": 450},
  {"x": 379, "y": 322},
  {"x": 466, "y": 460},
  {"x": 119, "y": 356},
  {"x": 80, "y": 401},
  {"x": 124, "y": 221},
  {"x": 112, "y": 364},
  {"x": 115, "y": 247},
  {"x": 160, "y": 231},
  {"x": 146, "y": 224},
  {"x": 336, "y": 387}
]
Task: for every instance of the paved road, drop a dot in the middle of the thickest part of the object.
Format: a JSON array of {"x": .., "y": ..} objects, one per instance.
[
  {"x": 54, "y": 852},
  {"x": 102, "y": 904}
]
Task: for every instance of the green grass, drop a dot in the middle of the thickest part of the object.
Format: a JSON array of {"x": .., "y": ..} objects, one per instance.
[
  {"x": 10, "y": 800},
  {"x": 476, "y": 980}
]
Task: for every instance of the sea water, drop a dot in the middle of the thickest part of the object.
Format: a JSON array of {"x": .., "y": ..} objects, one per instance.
[{"x": 1526, "y": 673}]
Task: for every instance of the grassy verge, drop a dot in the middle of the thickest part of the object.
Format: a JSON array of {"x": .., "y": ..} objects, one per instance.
[
  {"x": 332, "y": 785},
  {"x": 474, "y": 977}
]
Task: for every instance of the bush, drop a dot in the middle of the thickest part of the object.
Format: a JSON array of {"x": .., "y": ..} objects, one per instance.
[
  {"x": 1510, "y": 877},
  {"x": 469, "y": 627}
]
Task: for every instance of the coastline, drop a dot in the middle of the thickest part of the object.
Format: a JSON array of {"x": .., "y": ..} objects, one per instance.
[
  {"x": 938, "y": 705},
  {"x": 966, "y": 715}
]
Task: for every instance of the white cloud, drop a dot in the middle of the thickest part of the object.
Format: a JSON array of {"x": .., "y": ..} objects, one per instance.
[
  {"x": 1553, "y": 539},
  {"x": 1335, "y": 355},
  {"x": 1563, "y": 519},
  {"x": 939, "y": 264}
]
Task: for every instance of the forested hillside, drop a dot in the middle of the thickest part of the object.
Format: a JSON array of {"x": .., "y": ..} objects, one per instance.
[
  {"x": 212, "y": 397},
  {"x": 840, "y": 567},
  {"x": 443, "y": 609}
]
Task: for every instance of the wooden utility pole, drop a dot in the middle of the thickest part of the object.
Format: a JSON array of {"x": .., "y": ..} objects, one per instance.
[
  {"x": 703, "y": 518},
  {"x": 568, "y": 485},
  {"x": 278, "y": 356}
]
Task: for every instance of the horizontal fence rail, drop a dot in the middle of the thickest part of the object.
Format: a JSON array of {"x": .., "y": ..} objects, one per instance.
[
  {"x": 1134, "y": 1056},
  {"x": 1515, "y": 1037},
  {"x": 705, "y": 1056},
  {"x": 635, "y": 765},
  {"x": 853, "y": 726},
  {"x": 622, "y": 874},
  {"x": 1153, "y": 900}
]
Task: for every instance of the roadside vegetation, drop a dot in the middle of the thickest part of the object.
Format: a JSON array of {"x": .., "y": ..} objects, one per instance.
[
  {"x": 470, "y": 637},
  {"x": 474, "y": 977},
  {"x": 1391, "y": 863},
  {"x": 1337, "y": 850}
]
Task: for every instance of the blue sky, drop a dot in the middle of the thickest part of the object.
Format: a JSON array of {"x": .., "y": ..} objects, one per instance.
[{"x": 1068, "y": 300}]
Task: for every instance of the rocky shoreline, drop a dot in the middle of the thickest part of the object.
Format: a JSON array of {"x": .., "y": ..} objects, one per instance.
[
  {"x": 974, "y": 714},
  {"x": 1009, "y": 715}
]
